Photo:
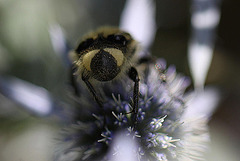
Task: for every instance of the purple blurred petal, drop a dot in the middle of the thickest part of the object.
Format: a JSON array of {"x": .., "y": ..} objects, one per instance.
[
  {"x": 202, "y": 103},
  {"x": 200, "y": 58},
  {"x": 33, "y": 98},
  {"x": 59, "y": 42},
  {"x": 138, "y": 18},
  {"x": 204, "y": 20},
  {"x": 123, "y": 148}
]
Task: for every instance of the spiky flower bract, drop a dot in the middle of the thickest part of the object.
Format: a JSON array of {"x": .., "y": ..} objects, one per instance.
[{"x": 161, "y": 132}]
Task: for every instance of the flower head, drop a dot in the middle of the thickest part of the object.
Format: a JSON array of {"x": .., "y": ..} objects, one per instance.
[{"x": 160, "y": 131}]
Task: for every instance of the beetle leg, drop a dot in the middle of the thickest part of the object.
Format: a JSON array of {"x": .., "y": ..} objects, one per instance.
[
  {"x": 133, "y": 75},
  {"x": 96, "y": 97}
]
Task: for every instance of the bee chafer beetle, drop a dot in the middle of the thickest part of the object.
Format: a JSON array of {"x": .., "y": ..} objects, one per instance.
[{"x": 105, "y": 55}]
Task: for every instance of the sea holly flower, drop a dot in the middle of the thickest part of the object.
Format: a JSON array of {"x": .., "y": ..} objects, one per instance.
[{"x": 161, "y": 133}]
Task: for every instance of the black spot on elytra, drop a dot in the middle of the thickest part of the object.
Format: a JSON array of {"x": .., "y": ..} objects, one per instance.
[{"x": 104, "y": 66}]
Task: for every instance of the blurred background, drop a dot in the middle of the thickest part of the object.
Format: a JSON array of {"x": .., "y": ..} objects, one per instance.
[{"x": 26, "y": 52}]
